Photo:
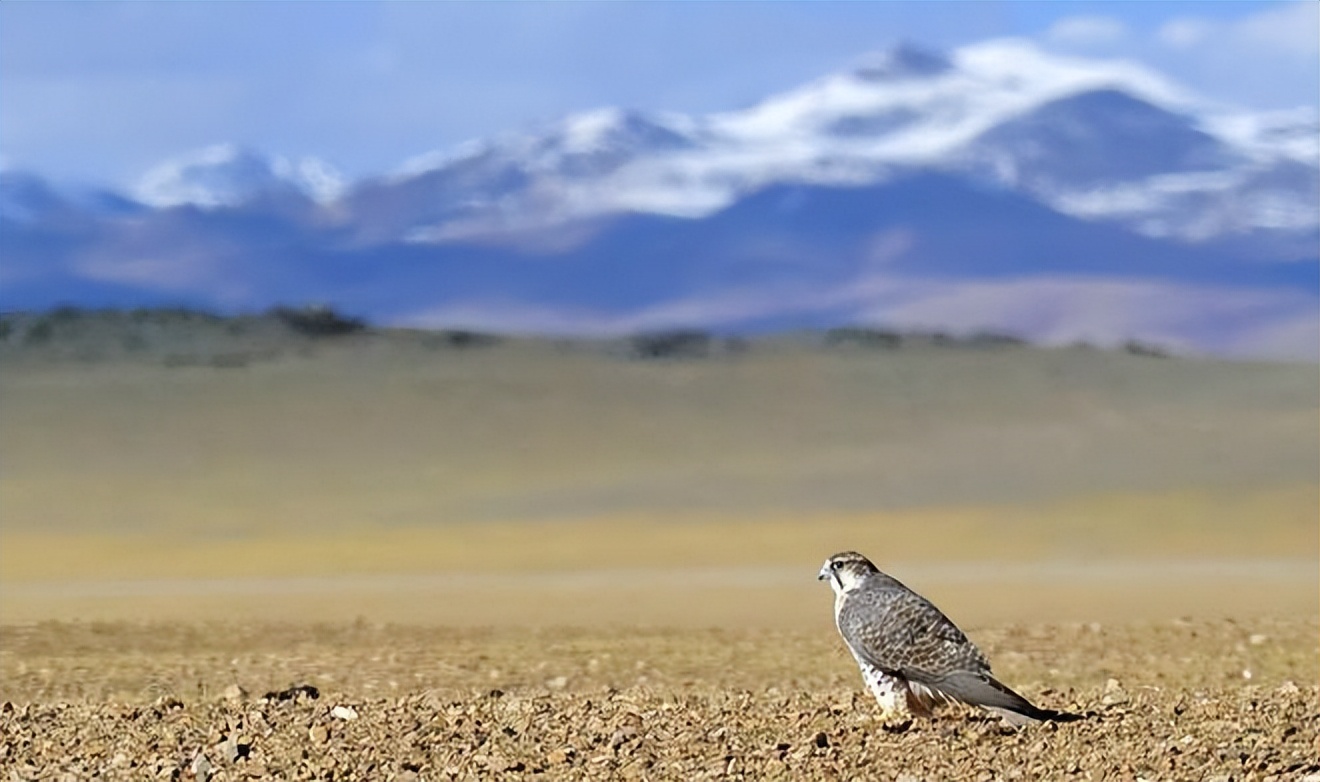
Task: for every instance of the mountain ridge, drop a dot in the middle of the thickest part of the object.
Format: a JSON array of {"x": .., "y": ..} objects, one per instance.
[{"x": 997, "y": 165}]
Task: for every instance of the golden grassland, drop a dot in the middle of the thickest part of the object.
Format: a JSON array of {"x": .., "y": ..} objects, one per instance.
[
  {"x": 1136, "y": 556},
  {"x": 469, "y": 487}
]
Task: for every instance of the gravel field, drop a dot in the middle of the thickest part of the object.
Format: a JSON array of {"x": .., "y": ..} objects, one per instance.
[{"x": 1181, "y": 700}]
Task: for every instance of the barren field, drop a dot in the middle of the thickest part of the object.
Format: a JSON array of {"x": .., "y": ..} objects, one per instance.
[
  {"x": 381, "y": 559},
  {"x": 1179, "y": 700}
]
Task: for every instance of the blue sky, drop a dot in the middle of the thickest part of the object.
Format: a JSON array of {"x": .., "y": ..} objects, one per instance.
[{"x": 99, "y": 92}]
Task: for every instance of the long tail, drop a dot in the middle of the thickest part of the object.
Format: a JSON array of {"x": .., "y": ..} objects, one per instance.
[{"x": 985, "y": 690}]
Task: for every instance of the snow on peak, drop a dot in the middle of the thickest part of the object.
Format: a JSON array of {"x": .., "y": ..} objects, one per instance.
[
  {"x": 615, "y": 129},
  {"x": 587, "y": 142},
  {"x": 435, "y": 159},
  {"x": 590, "y": 130},
  {"x": 903, "y": 61},
  {"x": 918, "y": 105},
  {"x": 226, "y": 175},
  {"x": 1014, "y": 65},
  {"x": 1090, "y": 137},
  {"x": 319, "y": 180}
]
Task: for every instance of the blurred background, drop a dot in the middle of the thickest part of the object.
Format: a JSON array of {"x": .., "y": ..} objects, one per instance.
[{"x": 532, "y": 314}]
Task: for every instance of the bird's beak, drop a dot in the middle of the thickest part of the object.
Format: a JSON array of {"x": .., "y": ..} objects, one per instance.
[{"x": 824, "y": 572}]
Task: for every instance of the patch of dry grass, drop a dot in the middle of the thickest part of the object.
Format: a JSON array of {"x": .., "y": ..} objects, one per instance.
[
  {"x": 1146, "y": 556},
  {"x": 1188, "y": 525}
]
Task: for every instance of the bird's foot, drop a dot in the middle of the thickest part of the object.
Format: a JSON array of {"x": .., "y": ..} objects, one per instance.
[
  {"x": 893, "y": 720},
  {"x": 896, "y": 723}
]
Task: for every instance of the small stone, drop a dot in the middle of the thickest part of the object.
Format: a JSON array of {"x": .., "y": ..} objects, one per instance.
[
  {"x": 228, "y": 749},
  {"x": 344, "y": 713},
  {"x": 561, "y": 756},
  {"x": 318, "y": 734},
  {"x": 557, "y": 683},
  {"x": 622, "y": 736},
  {"x": 234, "y": 693},
  {"x": 1114, "y": 693},
  {"x": 200, "y": 767},
  {"x": 1257, "y": 639}
]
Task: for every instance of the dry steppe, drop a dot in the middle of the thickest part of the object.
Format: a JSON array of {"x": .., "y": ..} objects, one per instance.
[{"x": 525, "y": 557}]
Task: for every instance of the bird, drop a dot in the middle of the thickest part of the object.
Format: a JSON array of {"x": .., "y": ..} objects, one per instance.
[{"x": 913, "y": 657}]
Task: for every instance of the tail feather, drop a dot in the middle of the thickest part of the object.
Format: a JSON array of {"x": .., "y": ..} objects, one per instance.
[{"x": 985, "y": 690}]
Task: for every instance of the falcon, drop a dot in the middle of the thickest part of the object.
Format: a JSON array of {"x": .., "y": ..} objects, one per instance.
[{"x": 912, "y": 656}]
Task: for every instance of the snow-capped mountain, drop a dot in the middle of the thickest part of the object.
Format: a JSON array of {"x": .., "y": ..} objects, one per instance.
[
  {"x": 1015, "y": 177},
  {"x": 1108, "y": 141},
  {"x": 515, "y": 181},
  {"x": 228, "y": 175}
]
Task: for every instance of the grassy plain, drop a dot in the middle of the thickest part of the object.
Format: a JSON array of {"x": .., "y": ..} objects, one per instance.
[{"x": 373, "y": 476}]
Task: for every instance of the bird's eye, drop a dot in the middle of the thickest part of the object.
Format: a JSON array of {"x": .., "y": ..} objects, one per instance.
[{"x": 836, "y": 564}]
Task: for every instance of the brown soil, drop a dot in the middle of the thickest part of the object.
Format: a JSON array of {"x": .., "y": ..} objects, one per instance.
[{"x": 1172, "y": 700}]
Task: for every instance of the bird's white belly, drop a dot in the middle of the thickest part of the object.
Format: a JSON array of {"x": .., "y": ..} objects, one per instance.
[{"x": 889, "y": 691}]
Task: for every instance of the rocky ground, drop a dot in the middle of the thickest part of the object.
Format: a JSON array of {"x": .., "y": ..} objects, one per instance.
[{"x": 1180, "y": 700}]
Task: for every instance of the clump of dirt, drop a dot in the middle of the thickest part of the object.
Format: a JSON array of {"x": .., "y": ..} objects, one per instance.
[{"x": 634, "y": 705}]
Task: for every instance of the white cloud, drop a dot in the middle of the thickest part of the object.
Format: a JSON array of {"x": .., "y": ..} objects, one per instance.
[
  {"x": 1294, "y": 28},
  {"x": 1261, "y": 55},
  {"x": 1291, "y": 30},
  {"x": 1087, "y": 31},
  {"x": 1184, "y": 32}
]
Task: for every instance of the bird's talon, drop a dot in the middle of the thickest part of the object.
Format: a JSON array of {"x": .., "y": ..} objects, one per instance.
[{"x": 896, "y": 724}]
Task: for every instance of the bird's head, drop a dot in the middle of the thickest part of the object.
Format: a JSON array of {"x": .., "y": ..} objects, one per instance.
[{"x": 846, "y": 570}]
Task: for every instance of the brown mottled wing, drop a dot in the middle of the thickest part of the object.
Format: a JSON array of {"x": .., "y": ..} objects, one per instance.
[{"x": 895, "y": 629}]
